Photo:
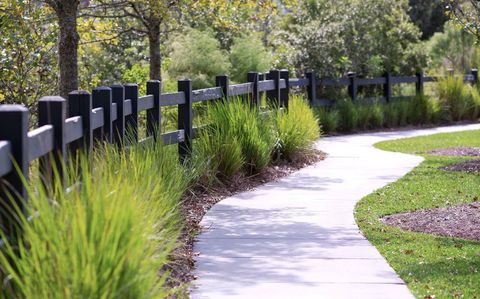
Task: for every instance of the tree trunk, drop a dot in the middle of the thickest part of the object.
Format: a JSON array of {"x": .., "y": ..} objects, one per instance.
[
  {"x": 155, "y": 55},
  {"x": 68, "y": 46}
]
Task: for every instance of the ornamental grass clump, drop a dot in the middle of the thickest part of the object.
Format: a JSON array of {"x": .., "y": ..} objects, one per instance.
[
  {"x": 105, "y": 236},
  {"x": 237, "y": 137},
  {"x": 458, "y": 100},
  {"x": 348, "y": 115},
  {"x": 328, "y": 119},
  {"x": 298, "y": 128}
]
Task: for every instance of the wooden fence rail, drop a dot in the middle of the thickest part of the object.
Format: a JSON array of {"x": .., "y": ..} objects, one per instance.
[{"x": 109, "y": 114}]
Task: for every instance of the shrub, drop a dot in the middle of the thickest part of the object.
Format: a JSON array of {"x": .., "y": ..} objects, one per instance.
[
  {"x": 348, "y": 115},
  {"x": 328, "y": 119},
  {"x": 104, "y": 237},
  {"x": 298, "y": 128},
  {"x": 248, "y": 54},
  {"x": 197, "y": 55}
]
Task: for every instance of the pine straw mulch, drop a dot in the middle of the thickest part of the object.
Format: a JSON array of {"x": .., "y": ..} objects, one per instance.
[
  {"x": 456, "y": 151},
  {"x": 472, "y": 166},
  {"x": 461, "y": 221},
  {"x": 196, "y": 204}
]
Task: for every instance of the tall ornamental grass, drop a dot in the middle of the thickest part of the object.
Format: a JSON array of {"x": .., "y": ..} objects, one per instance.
[
  {"x": 237, "y": 137},
  {"x": 106, "y": 236},
  {"x": 328, "y": 119},
  {"x": 298, "y": 128},
  {"x": 459, "y": 101}
]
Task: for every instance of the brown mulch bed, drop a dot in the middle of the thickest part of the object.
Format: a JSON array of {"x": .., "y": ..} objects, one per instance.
[
  {"x": 462, "y": 221},
  {"x": 456, "y": 151},
  {"x": 197, "y": 203},
  {"x": 472, "y": 166}
]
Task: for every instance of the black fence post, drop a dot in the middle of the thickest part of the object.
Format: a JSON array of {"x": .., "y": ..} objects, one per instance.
[
  {"x": 420, "y": 82},
  {"x": 14, "y": 124},
  {"x": 80, "y": 104},
  {"x": 185, "y": 119},
  {"x": 118, "y": 126},
  {"x": 352, "y": 87},
  {"x": 154, "y": 115},
  {"x": 131, "y": 121},
  {"x": 475, "y": 76},
  {"x": 451, "y": 72},
  {"x": 285, "y": 92},
  {"x": 312, "y": 87},
  {"x": 261, "y": 77},
  {"x": 387, "y": 87},
  {"x": 223, "y": 82},
  {"x": 102, "y": 97},
  {"x": 53, "y": 111},
  {"x": 273, "y": 96},
  {"x": 253, "y": 77}
]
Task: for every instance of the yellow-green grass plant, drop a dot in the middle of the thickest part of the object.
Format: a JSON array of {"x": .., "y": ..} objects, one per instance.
[
  {"x": 348, "y": 115},
  {"x": 237, "y": 137},
  {"x": 370, "y": 116},
  {"x": 298, "y": 128},
  {"x": 459, "y": 101},
  {"x": 328, "y": 119},
  {"x": 105, "y": 236}
]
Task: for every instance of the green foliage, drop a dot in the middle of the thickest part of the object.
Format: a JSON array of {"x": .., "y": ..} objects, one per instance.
[
  {"x": 328, "y": 119},
  {"x": 28, "y": 63},
  {"x": 138, "y": 74},
  {"x": 298, "y": 128},
  {"x": 248, "y": 54},
  {"x": 369, "y": 116},
  {"x": 368, "y": 37},
  {"x": 107, "y": 237},
  {"x": 237, "y": 137},
  {"x": 422, "y": 110},
  {"x": 348, "y": 115},
  {"x": 426, "y": 262},
  {"x": 459, "y": 101},
  {"x": 453, "y": 48},
  {"x": 197, "y": 55},
  {"x": 428, "y": 15}
]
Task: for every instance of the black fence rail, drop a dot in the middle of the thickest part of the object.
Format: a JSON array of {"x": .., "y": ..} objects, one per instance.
[{"x": 109, "y": 114}]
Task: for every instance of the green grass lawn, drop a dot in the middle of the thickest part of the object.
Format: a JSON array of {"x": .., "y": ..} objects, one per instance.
[{"x": 430, "y": 265}]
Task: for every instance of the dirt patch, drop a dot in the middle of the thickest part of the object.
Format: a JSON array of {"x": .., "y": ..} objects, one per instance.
[
  {"x": 462, "y": 221},
  {"x": 197, "y": 203},
  {"x": 456, "y": 151},
  {"x": 472, "y": 166}
]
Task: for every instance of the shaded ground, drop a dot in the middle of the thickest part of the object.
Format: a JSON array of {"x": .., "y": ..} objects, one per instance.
[
  {"x": 197, "y": 203},
  {"x": 472, "y": 166},
  {"x": 462, "y": 221},
  {"x": 456, "y": 151}
]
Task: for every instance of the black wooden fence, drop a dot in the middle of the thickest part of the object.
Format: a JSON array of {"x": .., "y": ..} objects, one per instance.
[{"x": 111, "y": 113}]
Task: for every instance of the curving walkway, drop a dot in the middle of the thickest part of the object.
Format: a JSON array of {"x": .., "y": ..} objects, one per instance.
[{"x": 297, "y": 237}]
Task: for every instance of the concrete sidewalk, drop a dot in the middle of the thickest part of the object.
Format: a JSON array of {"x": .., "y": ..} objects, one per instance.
[{"x": 297, "y": 237}]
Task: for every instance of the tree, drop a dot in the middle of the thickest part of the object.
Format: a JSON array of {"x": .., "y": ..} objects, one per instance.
[
  {"x": 67, "y": 12},
  {"x": 368, "y": 37},
  {"x": 27, "y": 52},
  {"x": 467, "y": 14},
  {"x": 428, "y": 15},
  {"x": 155, "y": 19}
]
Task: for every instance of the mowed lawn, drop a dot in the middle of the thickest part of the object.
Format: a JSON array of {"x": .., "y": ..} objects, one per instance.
[{"x": 432, "y": 266}]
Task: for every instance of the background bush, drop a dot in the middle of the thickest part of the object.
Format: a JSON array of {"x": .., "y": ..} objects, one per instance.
[
  {"x": 248, "y": 54},
  {"x": 197, "y": 55}
]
